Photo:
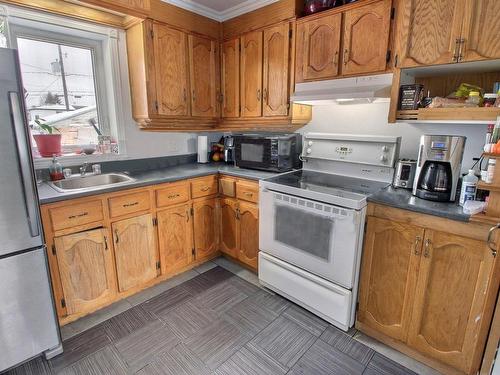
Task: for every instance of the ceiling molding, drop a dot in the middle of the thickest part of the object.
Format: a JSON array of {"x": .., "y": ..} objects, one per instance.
[{"x": 235, "y": 11}]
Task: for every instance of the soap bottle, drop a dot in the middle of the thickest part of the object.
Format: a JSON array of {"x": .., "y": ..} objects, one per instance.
[
  {"x": 469, "y": 187},
  {"x": 55, "y": 170}
]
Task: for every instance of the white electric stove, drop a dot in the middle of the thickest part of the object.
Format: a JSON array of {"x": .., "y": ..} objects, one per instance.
[{"x": 312, "y": 221}]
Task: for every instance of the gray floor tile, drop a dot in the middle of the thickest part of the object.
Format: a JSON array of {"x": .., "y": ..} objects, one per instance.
[
  {"x": 322, "y": 359},
  {"x": 249, "y": 361},
  {"x": 105, "y": 361},
  {"x": 187, "y": 319},
  {"x": 220, "y": 298},
  {"x": 202, "y": 268},
  {"x": 238, "y": 270},
  {"x": 249, "y": 317},
  {"x": 218, "y": 274},
  {"x": 140, "y": 347},
  {"x": 380, "y": 365},
  {"x": 346, "y": 344},
  {"x": 242, "y": 285},
  {"x": 305, "y": 319},
  {"x": 37, "y": 366},
  {"x": 284, "y": 340},
  {"x": 199, "y": 284},
  {"x": 163, "y": 303},
  {"x": 217, "y": 343},
  {"x": 131, "y": 320},
  {"x": 270, "y": 301},
  {"x": 80, "y": 346},
  {"x": 178, "y": 361}
]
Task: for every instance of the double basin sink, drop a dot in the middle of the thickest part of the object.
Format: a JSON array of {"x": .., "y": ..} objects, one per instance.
[{"x": 90, "y": 182}]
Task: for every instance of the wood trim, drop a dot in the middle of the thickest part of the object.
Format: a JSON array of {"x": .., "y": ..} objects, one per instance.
[{"x": 492, "y": 343}]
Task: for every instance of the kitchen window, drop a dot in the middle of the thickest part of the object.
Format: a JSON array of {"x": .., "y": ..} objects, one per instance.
[{"x": 72, "y": 82}]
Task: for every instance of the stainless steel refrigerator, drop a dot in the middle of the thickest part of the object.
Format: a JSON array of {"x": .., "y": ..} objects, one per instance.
[{"x": 28, "y": 324}]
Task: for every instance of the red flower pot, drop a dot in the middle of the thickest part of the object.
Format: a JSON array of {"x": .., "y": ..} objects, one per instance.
[{"x": 48, "y": 144}]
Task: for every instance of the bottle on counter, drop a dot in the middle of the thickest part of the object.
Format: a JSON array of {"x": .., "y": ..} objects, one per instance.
[
  {"x": 491, "y": 170},
  {"x": 489, "y": 136},
  {"x": 55, "y": 170},
  {"x": 469, "y": 187}
]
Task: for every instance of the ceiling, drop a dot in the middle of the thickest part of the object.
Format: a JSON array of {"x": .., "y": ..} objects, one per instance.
[{"x": 220, "y": 10}]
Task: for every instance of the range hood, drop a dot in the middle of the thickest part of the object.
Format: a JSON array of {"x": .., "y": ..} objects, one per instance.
[{"x": 324, "y": 92}]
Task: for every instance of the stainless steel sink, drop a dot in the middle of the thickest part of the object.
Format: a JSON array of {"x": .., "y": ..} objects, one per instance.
[{"x": 90, "y": 182}]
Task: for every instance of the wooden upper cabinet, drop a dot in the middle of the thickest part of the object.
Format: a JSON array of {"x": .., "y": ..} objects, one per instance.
[
  {"x": 171, "y": 77},
  {"x": 430, "y": 32},
  {"x": 366, "y": 38},
  {"x": 248, "y": 234},
  {"x": 450, "y": 296},
  {"x": 231, "y": 78},
  {"x": 481, "y": 32},
  {"x": 276, "y": 70},
  {"x": 86, "y": 268},
  {"x": 133, "y": 7},
  {"x": 251, "y": 74},
  {"x": 175, "y": 238},
  {"x": 228, "y": 227},
  {"x": 318, "y": 48},
  {"x": 135, "y": 251},
  {"x": 205, "y": 228},
  {"x": 391, "y": 259},
  {"x": 202, "y": 65}
]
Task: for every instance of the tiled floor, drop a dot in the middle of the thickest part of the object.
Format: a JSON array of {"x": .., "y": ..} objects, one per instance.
[{"x": 211, "y": 321}]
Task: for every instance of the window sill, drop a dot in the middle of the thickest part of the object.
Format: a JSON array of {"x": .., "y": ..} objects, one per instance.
[{"x": 74, "y": 160}]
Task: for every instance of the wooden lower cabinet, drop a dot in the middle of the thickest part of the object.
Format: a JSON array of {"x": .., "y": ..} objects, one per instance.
[
  {"x": 248, "y": 234},
  {"x": 86, "y": 268},
  {"x": 428, "y": 291},
  {"x": 228, "y": 227},
  {"x": 205, "y": 228},
  {"x": 175, "y": 238},
  {"x": 135, "y": 251}
]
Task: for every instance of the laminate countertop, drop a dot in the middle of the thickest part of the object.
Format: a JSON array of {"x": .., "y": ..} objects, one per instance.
[
  {"x": 403, "y": 198},
  {"x": 47, "y": 194}
]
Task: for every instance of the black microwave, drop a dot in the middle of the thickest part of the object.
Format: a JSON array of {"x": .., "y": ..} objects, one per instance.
[{"x": 267, "y": 152}]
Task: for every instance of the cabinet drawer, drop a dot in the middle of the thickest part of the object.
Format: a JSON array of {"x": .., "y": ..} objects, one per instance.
[
  {"x": 204, "y": 187},
  {"x": 128, "y": 204},
  {"x": 75, "y": 215},
  {"x": 178, "y": 193},
  {"x": 247, "y": 191},
  {"x": 227, "y": 187}
]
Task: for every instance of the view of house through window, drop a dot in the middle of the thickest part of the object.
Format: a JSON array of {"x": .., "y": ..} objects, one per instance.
[{"x": 60, "y": 91}]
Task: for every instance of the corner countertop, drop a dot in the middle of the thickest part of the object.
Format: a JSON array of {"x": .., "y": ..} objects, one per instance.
[
  {"x": 181, "y": 172},
  {"x": 403, "y": 198}
]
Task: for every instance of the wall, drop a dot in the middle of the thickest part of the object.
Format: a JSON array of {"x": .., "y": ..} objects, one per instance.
[{"x": 372, "y": 119}]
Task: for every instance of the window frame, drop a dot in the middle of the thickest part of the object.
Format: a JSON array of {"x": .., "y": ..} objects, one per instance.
[{"x": 109, "y": 54}]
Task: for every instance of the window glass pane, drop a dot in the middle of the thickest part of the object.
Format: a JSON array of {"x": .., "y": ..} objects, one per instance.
[
  {"x": 59, "y": 84},
  {"x": 3, "y": 32}
]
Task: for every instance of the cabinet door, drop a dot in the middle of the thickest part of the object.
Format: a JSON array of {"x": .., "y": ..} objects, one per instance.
[
  {"x": 231, "y": 78},
  {"x": 205, "y": 228},
  {"x": 86, "y": 268},
  {"x": 202, "y": 76},
  {"x": 366, "y": 38},
  {"x": 248, "y": 234},
  {"x": 135, "y": 251},
  {"x": 276, "y": 68},
  {"x": 318, "y": 48},
  {"x": 251, "y": 74},
  {"x": 481, "y": 30},
  {"x": 170, "y": 51},
  {"x": 391, "y": 259},
  {"x": 228, "y": 228},
  {"x": 429, "y": 32},
  {"x": 450, "y": 295},
  {"x": 175, "y": 238}
]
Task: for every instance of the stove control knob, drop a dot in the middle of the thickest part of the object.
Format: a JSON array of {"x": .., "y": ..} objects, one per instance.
[
  {"x": 308, "y": 151},
  {"x": 310, "y": 143},
  {"x": 385, "y": 148},
  {"x": 383, "y": 159}
]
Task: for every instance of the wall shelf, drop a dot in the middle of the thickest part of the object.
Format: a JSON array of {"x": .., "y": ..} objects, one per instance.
[{"x": 478, "y": 116}]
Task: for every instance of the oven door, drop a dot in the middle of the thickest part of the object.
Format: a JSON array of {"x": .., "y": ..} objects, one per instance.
[
  {"x": 253, "y": 153},
  {"x": 320, "y": 238}
]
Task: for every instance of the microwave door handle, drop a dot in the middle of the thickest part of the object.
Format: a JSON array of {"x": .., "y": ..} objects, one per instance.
[{"x": 18, "y": 124}]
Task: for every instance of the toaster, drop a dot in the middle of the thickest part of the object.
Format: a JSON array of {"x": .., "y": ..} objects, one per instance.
[{"x": 405, "y": 173}]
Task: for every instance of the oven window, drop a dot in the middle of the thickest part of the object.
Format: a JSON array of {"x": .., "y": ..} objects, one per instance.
[
  {"x": 252, "y": 152},
  {"x": 304, "y": 230}
]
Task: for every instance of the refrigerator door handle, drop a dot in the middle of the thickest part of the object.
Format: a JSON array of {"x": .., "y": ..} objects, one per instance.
[{"x": 18, "y": 121}]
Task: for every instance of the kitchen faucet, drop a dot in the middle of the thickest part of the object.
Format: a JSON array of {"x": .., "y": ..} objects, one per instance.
[{"x": 83, "y": 169}]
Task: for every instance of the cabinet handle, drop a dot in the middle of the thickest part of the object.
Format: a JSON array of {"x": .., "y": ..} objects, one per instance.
[
  {"x": 185, "y": 95},
  {"x": 336, "y": 59},
  {"x": 126, "y": 205},
  {"x": 205, "y": 188},
  {"x": 265, "y": 95},
  {"x": 194, "y": 96},
  {"x": 460, "y": 50},
  {"x": 455, "y": 53},
  {"x": 116, "y": 236},
  {"x": 248, "y": 194},
  {"x": 491, "y": 244},
  {"x": 237, "y": 214},
  {"x": 417, "y": 241},
  {"x": 187, "y": 216},
  {"x": 105, "y": 243},
  {"x": 427, "y": 248},
  {"x": 346, "y": 56},
  {"x": 173, "y": 196},
  {"x": 258, "y": 95}
]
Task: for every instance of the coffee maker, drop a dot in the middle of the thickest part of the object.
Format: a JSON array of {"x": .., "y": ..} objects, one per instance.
[
  {"x": 229, "y": 149},
  {"x": 438, "y": 167}
]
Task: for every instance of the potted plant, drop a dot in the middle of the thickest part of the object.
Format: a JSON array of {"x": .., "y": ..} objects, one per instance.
[{"x": 47, "y": 142}]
